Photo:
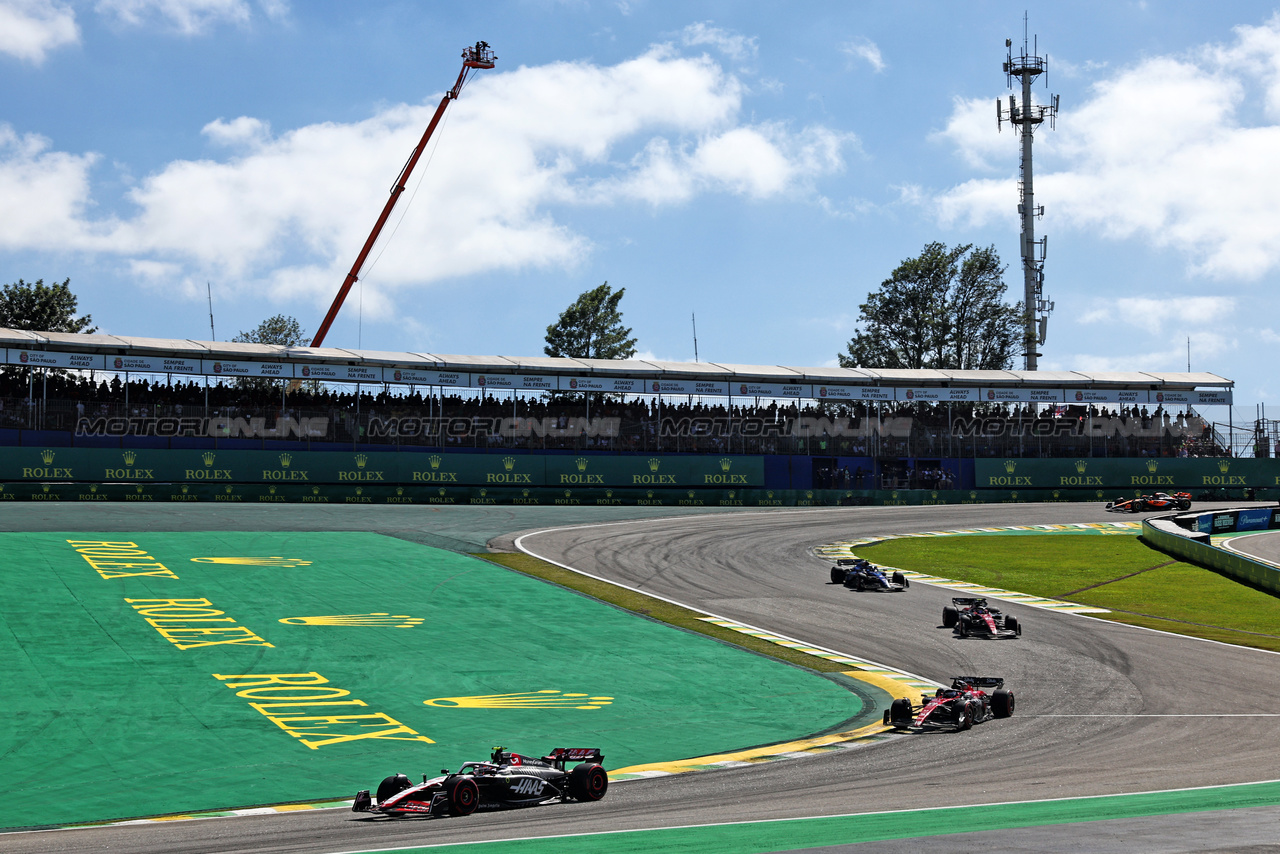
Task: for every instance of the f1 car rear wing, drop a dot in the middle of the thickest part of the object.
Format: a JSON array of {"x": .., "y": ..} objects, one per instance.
[
  {"x": 563, "y": 755},
  {"x": 978, "y": 681},
  {"x": 846, "y": 561},
  {"x": 965, "y": 601}
]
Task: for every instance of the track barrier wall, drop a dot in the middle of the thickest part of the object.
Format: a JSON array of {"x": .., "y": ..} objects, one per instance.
[
  {"x": 1186, "y": 537},
  {"x": 453, "y": 477}
]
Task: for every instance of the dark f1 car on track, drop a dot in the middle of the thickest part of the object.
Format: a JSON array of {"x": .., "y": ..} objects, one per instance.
[
  {"x": 974, "y": 617},
  {"x": 861, "y": 574},
  {"x": 1154, "y": 501},
  {"x": 507, "y": 780},
  {"x": 958, "y": 707}
]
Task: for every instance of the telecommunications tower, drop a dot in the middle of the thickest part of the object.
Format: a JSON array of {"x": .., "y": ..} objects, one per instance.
[{"x": 1026, "y": 115}]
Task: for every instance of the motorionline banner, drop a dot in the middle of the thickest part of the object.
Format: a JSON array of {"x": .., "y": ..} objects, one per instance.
[
  {"x": 378, "y": 468},
  {"x": 1145, "y": 475}
]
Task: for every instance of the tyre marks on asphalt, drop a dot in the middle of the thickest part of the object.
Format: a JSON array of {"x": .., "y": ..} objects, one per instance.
[
  {"x": 893, "y": 682},
  {"x": 845, "y": 549}
]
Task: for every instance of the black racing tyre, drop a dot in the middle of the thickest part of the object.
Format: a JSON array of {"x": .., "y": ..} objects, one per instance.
[
  {"x": 392, "y": 786},
  {"x": 860, "y": 584},
  {"x": 966, "y": 718},
  {"x": 899, "y": 714},
  {"x": 464, "y": 796},
  {"x": 837, "y": 575},
  {"x": 1136, "y": 506},
  {"x": 1184, "y": 504},
  {"x": 1011, "y": 623},
  {"x": 962, "y": 628},
  {"x": 899, "y": 578},
  {"x": 588, "y": 782},
  {"x": 1002, "y": 703},
  {"x": 950, "y": 616}
]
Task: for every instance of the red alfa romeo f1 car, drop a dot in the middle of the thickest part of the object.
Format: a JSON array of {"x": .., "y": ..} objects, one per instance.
[
  {"x": 958, "y": 707},
  {"x": 1155, "y": 501},
  {"x": 507, "y": 780}
]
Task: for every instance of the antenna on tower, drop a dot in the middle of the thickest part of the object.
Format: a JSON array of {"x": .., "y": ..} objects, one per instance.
[
  {"x": 695, "y": 336},
  {"x": 209, "y": 290},
  {"x": 1026, "y": 67}
]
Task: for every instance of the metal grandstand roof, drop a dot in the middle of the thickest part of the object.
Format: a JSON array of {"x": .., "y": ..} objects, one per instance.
[{"x": 119, "y": 345}]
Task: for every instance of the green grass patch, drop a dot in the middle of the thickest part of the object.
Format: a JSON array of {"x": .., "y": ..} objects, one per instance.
[
  {"x": 656, "y": 609},
  {"x": 1140, "y": 585}
]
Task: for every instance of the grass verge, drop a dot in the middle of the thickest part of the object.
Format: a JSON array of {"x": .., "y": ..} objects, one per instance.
[
  {"x": 1141, "y": 586},
  {"x": 656, "y": 609}
]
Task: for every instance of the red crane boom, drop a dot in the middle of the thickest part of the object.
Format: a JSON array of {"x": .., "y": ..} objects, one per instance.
[{"x": 478, "y": 56}]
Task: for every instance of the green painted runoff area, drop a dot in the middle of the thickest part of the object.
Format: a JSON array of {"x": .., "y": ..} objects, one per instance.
[
  {"x": 190, "y": 672},
  {"x": 764, "y": 837}
]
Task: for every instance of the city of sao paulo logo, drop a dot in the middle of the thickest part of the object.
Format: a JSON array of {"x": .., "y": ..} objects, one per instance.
[
  {"x": 546, "y": 699},
  {"x": 358, "y": 621},
  {"x": 274, "y": 560},
  {"x": 47, "y": 455}
]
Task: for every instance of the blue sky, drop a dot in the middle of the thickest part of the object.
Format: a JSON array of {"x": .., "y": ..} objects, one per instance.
[{"x": 761, "y": 165}]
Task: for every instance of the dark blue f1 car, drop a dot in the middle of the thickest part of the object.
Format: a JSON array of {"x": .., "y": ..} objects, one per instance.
[{"x": 861, "y": 574}]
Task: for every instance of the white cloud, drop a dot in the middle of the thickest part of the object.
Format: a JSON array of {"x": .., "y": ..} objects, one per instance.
[
  {"x": 242, "y": 131},
  {"x": 733, "y": 45},
  {"x": 971, "y": 130},
  {"x": 45, "y": 194},
  {"x": 1172, "y": 356},
  {"x": 1154, "y": 314},
  {"x": 865, "y": 50},
  {"x": 283, "y": 214},
  {"x": 29, "y": 29},
  {"x": 1168, "y": 151},
  {"x": 187, "y": 16}
]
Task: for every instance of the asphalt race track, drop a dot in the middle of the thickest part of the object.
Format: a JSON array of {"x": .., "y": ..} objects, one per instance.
[{"x": 1102, "y": 708}]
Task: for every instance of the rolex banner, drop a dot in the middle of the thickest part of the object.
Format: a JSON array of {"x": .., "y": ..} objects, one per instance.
[
  {"x": 377, "y": 468},
  {"x": 1147, "y": 475}
]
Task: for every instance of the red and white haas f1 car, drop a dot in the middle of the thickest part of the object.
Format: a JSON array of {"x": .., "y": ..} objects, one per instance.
[
  {"x": 958, "y": 707},
  {"x": 506, "y": 781},
  {"x": 1155, "y": 501},
  {"x": 969, "y": 617}
]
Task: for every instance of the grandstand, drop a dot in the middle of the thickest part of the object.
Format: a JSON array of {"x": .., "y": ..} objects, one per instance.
[{"x": 808, "y": 429}]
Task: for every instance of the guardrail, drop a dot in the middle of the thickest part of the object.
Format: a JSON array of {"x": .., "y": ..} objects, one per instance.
[{"x": 1187, "y": 536}]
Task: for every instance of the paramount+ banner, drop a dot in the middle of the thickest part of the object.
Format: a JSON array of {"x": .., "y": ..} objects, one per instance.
[
  {"x": 305, "y": 468},
  {"x": 1150, "y": 475}
]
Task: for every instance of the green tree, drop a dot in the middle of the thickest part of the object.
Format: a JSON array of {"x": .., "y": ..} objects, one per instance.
[
  {"x": 282, "y": 329},
  {"x": 943, "y": 309},
  {"x": 591, "y": 328},
  {"x": 38, "y": 307}
]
